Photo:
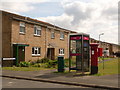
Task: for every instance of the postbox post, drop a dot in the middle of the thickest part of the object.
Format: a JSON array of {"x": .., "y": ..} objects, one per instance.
[{"x": 94, "y": 58}]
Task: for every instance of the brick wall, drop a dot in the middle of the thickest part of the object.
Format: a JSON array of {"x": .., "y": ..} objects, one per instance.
[
  {"x": 38, "y": 41},
  {"x": 6, "y": 35}
]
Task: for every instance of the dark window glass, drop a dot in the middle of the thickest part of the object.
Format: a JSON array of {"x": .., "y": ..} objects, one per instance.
[
  {"x": 33, "y": 50},
  {"x": 38, "y": 50},
  {"x": 22, "y": 29},
  {"x": 34, "y": 30}
]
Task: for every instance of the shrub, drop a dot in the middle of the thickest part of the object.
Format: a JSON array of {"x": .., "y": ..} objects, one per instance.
[
  {"x": 39, "y": 61},
  {"x": 66, "y": 61},
  {"x": 51, "y": 63},
  {"x": 33, "y": 62},
  {"x": 43, "y": 60},
  {"x": 45, "y": 63},
  {"x": 37, "y": 65},
  {"x": 24, "y": 64}
]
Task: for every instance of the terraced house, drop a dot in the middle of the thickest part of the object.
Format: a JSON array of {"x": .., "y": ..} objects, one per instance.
[{"x": 27, "y": 39}]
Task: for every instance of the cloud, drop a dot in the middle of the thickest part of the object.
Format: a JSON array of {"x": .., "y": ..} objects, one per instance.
[
  {"x": 88, "y": 16},
  {"x": 23, "y": 1},
  {"x": 92, "y": 17},
  {"x": 78, "y": 10},
  {"x": 18, "y": 6},
  {"x": 63, "y": 21}
]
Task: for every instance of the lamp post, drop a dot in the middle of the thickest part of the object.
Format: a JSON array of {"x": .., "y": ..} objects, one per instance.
[
  {"x": 99, "y": 46},
  {"x": 99, "y": 38}
]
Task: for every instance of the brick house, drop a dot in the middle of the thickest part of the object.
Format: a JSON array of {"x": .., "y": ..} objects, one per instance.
[
  {"x": 113, "y": 48},
  {"x": 27, "y": 39}
]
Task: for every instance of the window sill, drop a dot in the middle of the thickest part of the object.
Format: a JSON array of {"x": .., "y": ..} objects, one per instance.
[
  {"x": 61, "y": 38},
  {"x": 61, "y": 54},
  {"x": 37, "y": 35},
  {"x": 52, "y": 38},
  {"x": 22, "y": 33},
  {"x": 35, "y": 55}
]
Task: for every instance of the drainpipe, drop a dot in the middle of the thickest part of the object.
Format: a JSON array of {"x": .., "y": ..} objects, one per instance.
[
  {"x": 17, "y": 56},
  {"x": 46, "y": 43}
]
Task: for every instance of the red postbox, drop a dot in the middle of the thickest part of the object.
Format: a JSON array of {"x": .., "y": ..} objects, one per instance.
[
  {"x": 100, "y": 51},
  {"x": 94, "y": 58}
]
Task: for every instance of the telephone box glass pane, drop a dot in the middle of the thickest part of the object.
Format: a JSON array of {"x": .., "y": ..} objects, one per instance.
[
  {"x": 75, "y": 52},
  {"x": 75, "y": 46},
  {"x": 86, "y": 55}
]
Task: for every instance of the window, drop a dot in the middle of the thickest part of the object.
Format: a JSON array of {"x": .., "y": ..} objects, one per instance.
[
  {"x": 61, "y": 35},
  {"x": 52, "y": 34},
  {"x": 61, "y": 51},
  {"x": 37, "y": 30},
  {"x": 36, "y": 50},
  {"x": 22, "y": 27}
]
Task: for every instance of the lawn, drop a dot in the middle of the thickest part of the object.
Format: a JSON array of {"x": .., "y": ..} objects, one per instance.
[
  {"x": 110, "y": 67},
  {"x": 25, "y": 68}
]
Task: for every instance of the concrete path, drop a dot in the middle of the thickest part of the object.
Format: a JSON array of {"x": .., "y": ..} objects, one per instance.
[
  {"x": 106, "y": 82},
  {"x": 101, "y": 60}
]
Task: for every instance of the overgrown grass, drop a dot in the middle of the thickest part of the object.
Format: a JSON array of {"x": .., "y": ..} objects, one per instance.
[{"x": 110, "y": 67}]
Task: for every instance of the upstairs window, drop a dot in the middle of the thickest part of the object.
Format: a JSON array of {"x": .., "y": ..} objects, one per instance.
[
  {"x": 22, "y": 27},
  {"x": 52, "y": 35},
  {"x": 61, "y": 51},
  {"x": 36, "y": 50},
  {"x": 61, "y": 35},
  {"x": 37, "y": 30}
]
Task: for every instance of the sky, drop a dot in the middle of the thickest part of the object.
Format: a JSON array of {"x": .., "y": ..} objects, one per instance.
[{"x": 88, "y": 16}]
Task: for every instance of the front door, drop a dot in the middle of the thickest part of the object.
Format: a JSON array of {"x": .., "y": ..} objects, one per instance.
[
  {"x": 51, "y": 53},
  {"x": 19, "y": 53}
]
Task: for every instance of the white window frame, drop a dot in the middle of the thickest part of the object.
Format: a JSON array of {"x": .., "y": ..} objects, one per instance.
[
  {"x": 36, "y": 48},
  {"x": 62, "y": 35},
  {"x": 61, "y": 51},
  {"x": 22, "y": 24},
  {"x": 52, "y": 34},
  {"x": 38, "y": 28}
]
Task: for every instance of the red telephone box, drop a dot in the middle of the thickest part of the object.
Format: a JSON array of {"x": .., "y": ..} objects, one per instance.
[
  {"x": 94, "y": 58},
  {"x": 79, "y": 52}
]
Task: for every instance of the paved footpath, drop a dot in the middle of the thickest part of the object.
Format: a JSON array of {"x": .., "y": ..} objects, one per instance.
[{"x": 106, "y": 82}]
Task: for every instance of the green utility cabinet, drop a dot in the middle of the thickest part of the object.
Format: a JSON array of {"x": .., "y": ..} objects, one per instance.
[{"x": 60, "y": 64}]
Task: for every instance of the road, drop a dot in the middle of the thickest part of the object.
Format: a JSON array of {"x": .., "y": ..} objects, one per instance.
[{"x": 18, "y": 83}]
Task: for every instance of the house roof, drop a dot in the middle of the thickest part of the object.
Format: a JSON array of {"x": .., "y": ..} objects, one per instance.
[{"x": 16, "y": 16}]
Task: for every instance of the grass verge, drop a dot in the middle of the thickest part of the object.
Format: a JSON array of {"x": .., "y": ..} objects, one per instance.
[
  {"x": 110, "y": 67},
  {"x": 25, "y": 68}
]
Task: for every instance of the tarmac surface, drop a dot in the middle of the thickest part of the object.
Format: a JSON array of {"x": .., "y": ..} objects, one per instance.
[
  {"x": 104, "y": 82},
  {"x": 18, "y": 83}
]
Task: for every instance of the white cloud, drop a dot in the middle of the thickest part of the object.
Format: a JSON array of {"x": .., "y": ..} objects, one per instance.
[
  {"x": 28, "y": 1},
  {"x": 88, "y": 16},
  {"x": 92, "y": 17},
  {"x": 17, "y": 6},
  {"x": 63, "y": 21}
]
